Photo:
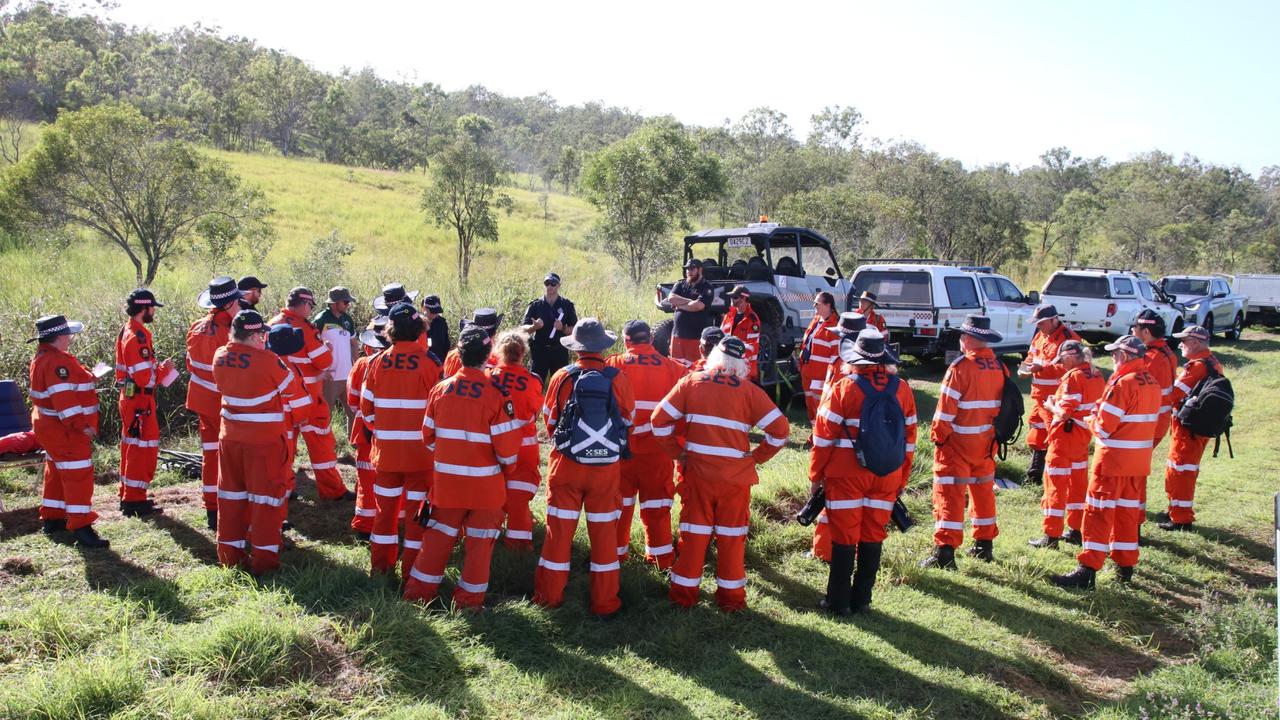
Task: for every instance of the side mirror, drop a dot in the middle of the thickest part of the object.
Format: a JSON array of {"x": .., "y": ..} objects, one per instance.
[
  {"x": 1033, "y": 297},
  {"x": 1219, "y": 295}
]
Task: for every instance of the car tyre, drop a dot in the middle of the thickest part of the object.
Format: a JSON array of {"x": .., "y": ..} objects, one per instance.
[
  {"x": 662, "y": 336},
  {"x": 1237, "y": 327},
  {"x": 1208, "y": 323}
]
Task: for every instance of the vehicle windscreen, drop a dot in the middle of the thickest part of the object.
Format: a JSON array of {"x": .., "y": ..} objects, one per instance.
[
  {"x": 1186, "y": 286},
  {"x": 895, "y": 287},
  {"x": 1089, "y": 286}
]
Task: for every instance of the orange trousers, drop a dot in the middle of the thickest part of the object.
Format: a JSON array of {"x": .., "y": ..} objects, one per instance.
[
  {"x": 139, "y": 446},
  {"x": 1182, "y": 469},
  {"x": 68, "y": 477},
  {"x": 813, "y": 375},
  {"x": 963, "y": 469},
  {"x": 687, "y": 351},
  {"x": 251, "y": 503},
  {"x": 521, "y": 487},
  {"x": 859, "y": 507},
  {"x": 481, "y": 528},
  {"x": 1066, "y": 475},
  {"x": 366, "y": 504},
  {"x": 1038, "y": 426},
  {"x": 649, "y": 475},
  {"x": 1112, "y": 519},
  {"x": 596, "y": 491},
  {"x": 723, "y": 510},
  {"x": 210, "y": 428},
  {"x": 822, "y": 537},
  {"x": 318, "y": 436},
  {"x": 398, "y": 494}
]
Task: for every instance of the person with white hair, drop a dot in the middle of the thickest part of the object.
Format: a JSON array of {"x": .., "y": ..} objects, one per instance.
[{"x": 703, "y": 423}]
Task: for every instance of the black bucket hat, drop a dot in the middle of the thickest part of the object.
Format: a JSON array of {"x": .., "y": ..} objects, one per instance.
[
  {"x": 979, "y": 326},
  {"x": 486, "y": 319},
  {"x": 51, "y": 326},
  {"x": 431, "y": 303},
  {"x": 222, "y": 292},
  {"x": 284, "y": 339},
  {"x": 392, "y": 294},
  {"x": 852, "y": 323},
  {"x": 589, "y": 335},
  {"x": 867, "y": 348}
]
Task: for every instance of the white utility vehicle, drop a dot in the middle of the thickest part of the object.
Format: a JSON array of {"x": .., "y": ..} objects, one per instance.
[
  {"x": 1208, "y": 302},
  {"x": 1102, "y": 303},
  {"x": 924, "y": 302},
  {"x": 1263, "y": 292}
]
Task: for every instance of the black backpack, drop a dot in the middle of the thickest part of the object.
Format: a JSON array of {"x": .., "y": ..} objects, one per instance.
[
  {"x": 590, "y": 429},
  {"x": 1207, "y": 410},
  {"x": 1008, "y": 422},
  {"x": 882, "y": 431}
]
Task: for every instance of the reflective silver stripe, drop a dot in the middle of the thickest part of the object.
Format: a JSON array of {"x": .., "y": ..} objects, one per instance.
[
  {"x": 233, "y": 543},
  {"x": 1127, "y": 503},
  {"x": 1123, "y": 546},
  {"x": 1100, "y": 547},
  {"x": 267, "y": 548},
  {"x": 638, "y": 429},
  {"x": 209, "y": 488},
  {"x": 79, "y": 509},
  {"x": 978, "y": 404},
  {"x": 731, "y": 531},
  {"x": 397, "y": 434},
  {"x": 1125, "y": 444},
  {"x": 253, "y": 417},
  {"x": 695, "y": 529},
  {"x": 717, "y": 450},
  {"x": 604, "y": 516},
  {"x": 1044, "y": 381},
  {"x": 909, "y": 420},
  {"x": 209, "y": 447},
  {"x": 519, "y": 485},
  {"x": 427, "y": 421},
  {"x": 666, "y": 407},
  {"x": 193, "y": 363},
  {"x": 519, "y": 534},
  {"x": 384, "y": 539},
  {"x": 144, "y": 365},
  {"x": 364, "y": 465},
  {"x": 385, "y": 491},
  {"x": 533, "y": 440},
  {"x": 911, "y": 447},
  {"x": 425, "y": 578},
  {"x": 553, "y": 511},
  {"x": 453, "y": 434},
  {"x": 314, "y": 429},
  {"x": 471, "y": 588},
  {"x": 628, "y": 501},
  {"x": 468, "y": 470},
  {"x": 506, "y": 427},
  {"x": 1053, "y": 512},
  {"x": 130, "y": 482},
  {"x": 1100, "y": 504},
  {"x": 324, "y": 465},
  {"x": 483, "y": 534},
  {"x": 1186, "y": 390},
  {"x": 685, "y": 581},
  {"x": 970, "y": 429},
  {"x": 73, "y": 464},
  {"x": 982, "y": 521},
  {"x": 440, "y": 527},
  {"x": 266, "y": 500},
  {"x": 1075, "y": 506},
  {"x": 1182, "y": 468},
  {"x": 1182, "y": 503},
  {"x": 950, "y": 392},
  {"x": 140, "y": 443},
  {"x": 606, "y": 567},
  {"x": 775, "y": 441},
  {"x": 1140, "y": 418},
  {"x": 948, "y": 525},
  {"x": 646, "y": 405},
  {"x": 320, "y": 350},
  {"x": 943, "y": 417},
  {"x": 768, "y": 419},
  {"x": 718, "y": 421},
  {"x": 46, "y": 502},
  {"x": 366, "y": 512},
  {"x": 557, "y": 566},
  {"x": 655, "y": 504},
  {"x": 663, "y": 431},
  {"x": 1058, "y": 471},
  {"x": 833, "y": 417},
  {"x": 730, "y": 584},
  {"x": 233, "y": 495},
  {"x": 1108, "y": 407},
  {"x": 415, "y": 495},
  {"x": 203, "y": 383},
  {"x": 367, "y": 394},
  {"x": 659, "y": 550},
  {"x": 400, "y": 403}
]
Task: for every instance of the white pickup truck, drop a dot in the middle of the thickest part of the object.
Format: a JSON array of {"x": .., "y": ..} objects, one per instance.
[
  {"x": 923, "y": 302},
  {"x": 1209, "y": 302},
  {"x": 1263, "y": 292},
  {"x": 1102, "y": 303}
]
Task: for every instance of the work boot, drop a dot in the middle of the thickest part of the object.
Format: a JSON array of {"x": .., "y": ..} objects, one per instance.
[
  {"x": 943, "y": 557},
  {"x": 363, "y": 536},
  {"x": 1082, "y": 578},
  {"x": 139, "y": 508},
  {"x": 1044, "y": 542},
  {"x": 1125, "y": 574},
  {"x": 87, "y": 537},
  {"x": 838, "y": 589},
  {"x": 982, "y": 550},
  {"x": 346, "y": 496},
  {"x": 211, "y": 519},
  {"x": 1035, "y": 470},
  {"x": 864, "y": 577},
  {"x": 1161, "y": 517},
  {"x": 1175, "y": 527},
  {"x": 1073, "y": 537},
  {"x": 52, "y": 527}
]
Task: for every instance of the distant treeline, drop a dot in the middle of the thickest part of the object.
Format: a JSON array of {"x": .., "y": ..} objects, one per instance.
[{"x": 871, "y": 198}]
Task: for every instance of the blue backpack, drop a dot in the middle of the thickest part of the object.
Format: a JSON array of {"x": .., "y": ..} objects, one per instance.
[
  {"x": 882, "y": 430},
  {"x": 590, "y": 429}
]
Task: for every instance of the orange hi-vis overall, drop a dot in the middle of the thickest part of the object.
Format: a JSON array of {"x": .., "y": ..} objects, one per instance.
[
  {"x": 471, "y": 426},
  {"x": 746, "y": 327},
  {"x": 818, "y": 350},
  {"x": 309, "y": 362},
  {"x": 525, "y": 390},
  {"x": 252, "y": 483},
  {"x": 703, "y": 422},
  {"x": 1044, "y": 382},
  {"x": 453, "y": 363},
  {"x": 297, "y": 412},
  {"x": 1185, "y": 452},
  {"x": 1124, "y": 427},
  {"x": 875, "y": 320},
  {"x": 821, "y": 528},
  {"x": 139, "y": 427},
  {"x": 649, "y": 470},
  {"x": 393, "y": 403},
  {"x": 859, "y": 502},
  {"x": 63, "y": 405},
  {"x": 573, "y": 487},
  {"x": 964, "y": 452},
  {"x": 203, "y": 339},
  {"x": 1067, "y": 462},
  {"x": 1162, "y": 363},
  {"x": 362, "y": 440}
]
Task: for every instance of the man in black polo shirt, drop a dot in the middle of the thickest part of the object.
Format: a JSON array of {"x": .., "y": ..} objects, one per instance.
[
  {"x": 548, "y": 319},
  {"x": 250, "y": 292},
  {"x": 690, "y": 298}
]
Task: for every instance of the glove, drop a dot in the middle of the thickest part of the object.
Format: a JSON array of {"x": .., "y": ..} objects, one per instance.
[{"x": 424, "y": 513}]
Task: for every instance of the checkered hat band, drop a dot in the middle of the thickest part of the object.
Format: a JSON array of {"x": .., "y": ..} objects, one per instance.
[
  {"x": 228, "y": 293},
  {"x": 255, "y": 326},
  {"x": 141, "y": 301},
  {"x": 49, "y": 331},
  {"x": 1147, "y": 321}
]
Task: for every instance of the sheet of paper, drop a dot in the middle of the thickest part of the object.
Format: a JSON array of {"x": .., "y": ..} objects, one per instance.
[
  {"x": 100, "y": 369},
  {"x": 169, "y": 377}
]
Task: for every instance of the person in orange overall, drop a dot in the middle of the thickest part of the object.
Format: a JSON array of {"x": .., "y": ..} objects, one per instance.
[
  {"x": 486, "y": 319},
  {"x": 573, "y": 484},
  {"x": 309, "y": 363},
  {"x": 1067, "y": 461},
  {"x": 64, "y": 416},
  {"x": 204, "y": 338},
  {"x": 703, "y": 423},
  {"x": 373, "y": 342},
  {"x": 742, "y": 322},
  {"x": 859, "y": 502},
  {"x": 649, "y": 470},
  {"x": 525, "y": 390},
  {"x": 392, "y": 404},
  {"x": 284, "y": 340},
  {"x": 1183, "y": 465},
  {"x": 252, "y": 484},
  {"x": 138, "y": 374},
  {"x": 472, "y": 428},
  {"x": 867, "y": 304},
  {"x": 964, "y": 447},
  {"x": 850, "y": 324},
  {"x": 818, "y": 349},
  {"x": 1124, "y": 426},
  {"x": 1050, "y": 333},
  {"x": 1162, "y": 363}
]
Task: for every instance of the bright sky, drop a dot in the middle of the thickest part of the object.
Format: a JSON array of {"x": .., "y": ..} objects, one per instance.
[{"x": 984, "y": 82}]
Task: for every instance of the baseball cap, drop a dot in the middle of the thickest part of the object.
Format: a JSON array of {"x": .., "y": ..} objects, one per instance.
[
  {"x": 1127, "y": 343},
  {"x": 637, "y": 331},
  {"x": 249, "y": 282},
  {"x": 1194, "y": 331}
]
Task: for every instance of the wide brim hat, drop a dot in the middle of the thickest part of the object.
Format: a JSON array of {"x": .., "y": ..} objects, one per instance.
[
  {"x": 371, "y": 338},
  {"x": 852, "y": 323},
  {"x": 867, "y": 348},
  {"x": 433, "y": 304},
  {"x": 222, "y": 291},
  {"x": 382, "y": 303},
  {"x": 979, "y": 327},
  {"x": 55, "y": 325},
  {"x": 284, "y": 339},
  {"x": 485, "y": 319},
  {"x": 341, "y": 294},
  {"x": 589, "y": 335},
  {"x": 869, "y": 297}
]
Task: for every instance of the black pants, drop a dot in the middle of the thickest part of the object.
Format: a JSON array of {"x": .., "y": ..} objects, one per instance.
[{"x": 544, "y": 360}]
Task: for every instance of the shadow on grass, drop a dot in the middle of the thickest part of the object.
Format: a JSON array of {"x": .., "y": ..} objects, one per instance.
[
  {"x": 188, "y": 538},
  {"x": 106, "y": 571},
  {"x": 17, "y": 522},
  {"x": 1162, "y": 540}
]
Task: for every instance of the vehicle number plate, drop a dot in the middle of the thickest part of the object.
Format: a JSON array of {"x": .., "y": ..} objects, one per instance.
[{"x": 738, "y": 242}]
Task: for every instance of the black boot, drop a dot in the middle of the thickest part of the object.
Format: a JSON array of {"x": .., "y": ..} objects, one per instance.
[
  {"x": 53, "y": 527},
  {"x": 943, "y": 557},
  {"x": 1073, "y": 537},
  {"x": 1044, "y": 541},
  {"x": 864, "y": 577},
  {"x": 1161, "y": 517},
  {"x": 1125, "y": 574},
  {"x": 1035, "y": 471},
  {"x": 1175, "y": 527},
  {"x": 837, "y": 599},
  {"x": 87, "y": 537},
  {"x": 1081, "y": 578},
  {"x": 139, "y": 508},
  {"x": 982, "y": 550},
  {"x": 211, "y": 519}
]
